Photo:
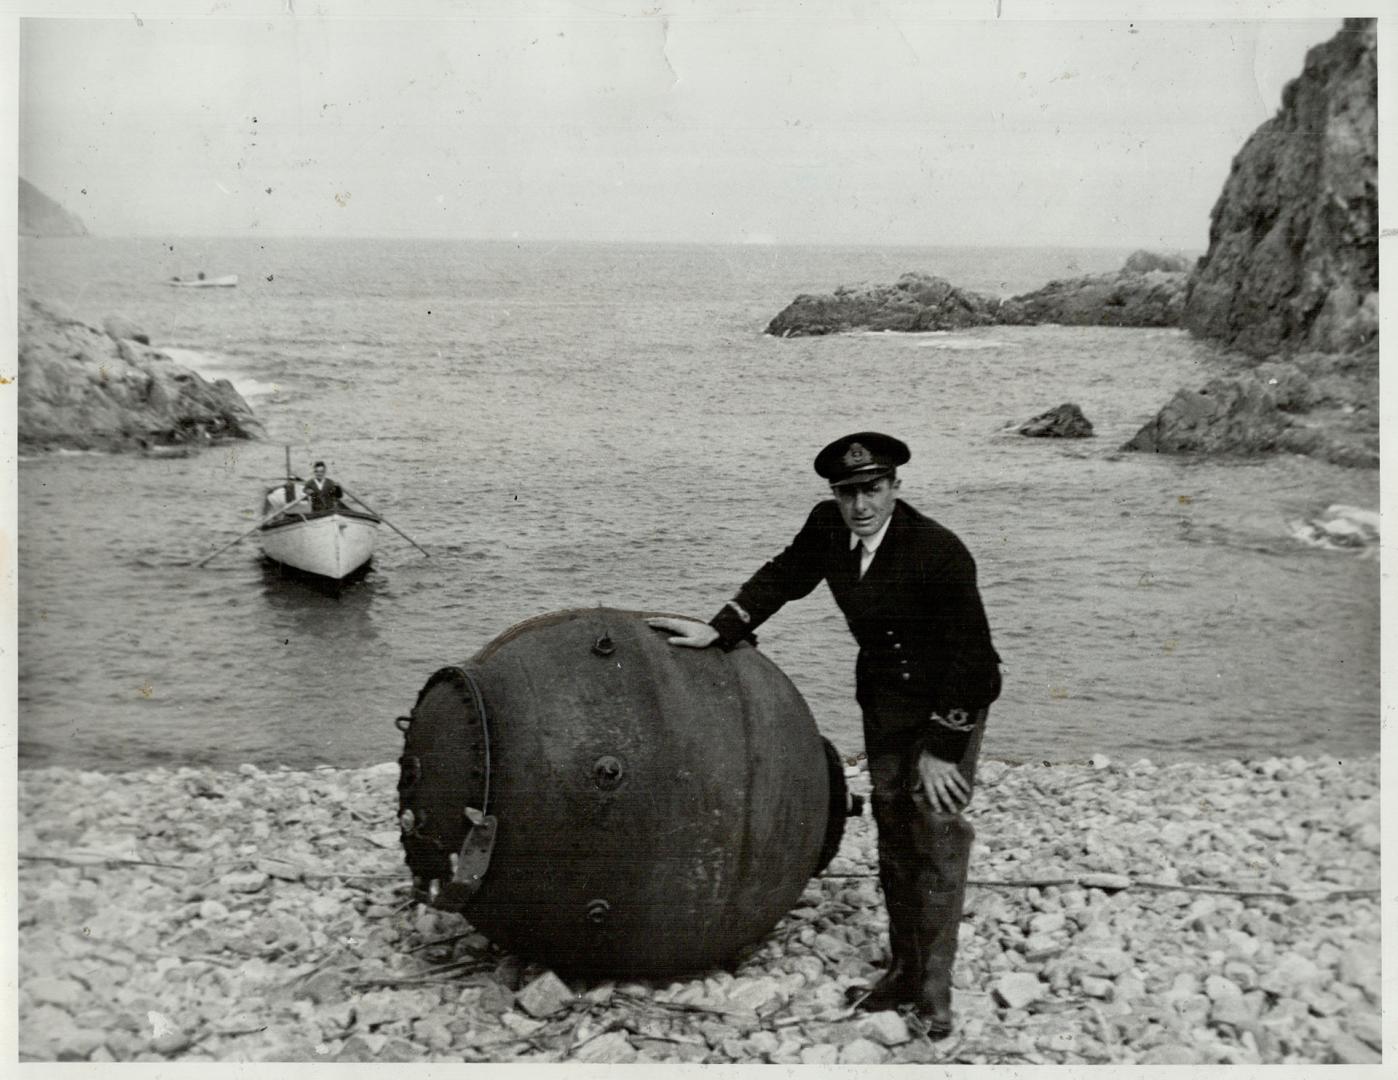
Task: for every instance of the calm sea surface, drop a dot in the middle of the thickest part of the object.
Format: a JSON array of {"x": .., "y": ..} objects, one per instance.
[{"x": 575, "y": 425}]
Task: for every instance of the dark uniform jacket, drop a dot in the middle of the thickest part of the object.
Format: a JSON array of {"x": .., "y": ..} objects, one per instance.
[
  {"x": 924, "y": 642},
  {"x": 323, "y": 498}
]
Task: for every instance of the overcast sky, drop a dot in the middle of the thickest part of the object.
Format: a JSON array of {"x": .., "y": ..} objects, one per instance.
[{"x": 791, "y": 123}]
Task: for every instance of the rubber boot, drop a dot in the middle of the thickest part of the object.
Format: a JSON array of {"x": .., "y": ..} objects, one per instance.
[
  {"x": 945, "y": 847},
  {"x": 898, "y": 872},
  {"x": 899, "y": 982}
]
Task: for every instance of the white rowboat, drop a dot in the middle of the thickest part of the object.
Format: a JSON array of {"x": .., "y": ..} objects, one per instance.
[
  {"x": 332, "y": 544},
  {"x": 227, "y": 281}
]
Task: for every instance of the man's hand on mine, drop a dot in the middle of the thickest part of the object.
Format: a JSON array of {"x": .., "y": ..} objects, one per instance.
[{"x": 687, "y": 632}]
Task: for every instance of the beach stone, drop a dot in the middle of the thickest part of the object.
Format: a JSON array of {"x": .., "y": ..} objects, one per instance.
[
  {"x": 44, "y": 990},
  {"x": 1237, "y": 1010},
  {"x": 862, "y": 1052},
  {"x": 387, "y": 1006},
  {"x": 820, "y": 1054},
  {"x": 1096, "y": 987},
  {"x": 1369, "y": 1027},
  {"x": 1060, "y": 1042},
  {"x": 1128, "y": 986},
  {"x": 754, "y": 994},
  {"x": 78, "y": 1044},
  {"x": 546, "y": 995},
  {"x": 887, "y": 1028},
  {"x": 1171, "y": 1054},
  {"x": 1320, "y": 1002},
  {"x": 324, "y": 987},
  {"x": 613, "y": 1048},
  {"x": 244, "y": 881},
  {"x": 1016, "y": 990},
  {"x": 361, "y": 1047},
  {"x": 1347, "y": 1050},
  {"x": 521, "y": 1025},
  {"x": 1289, "y": 974},
  {"x": 1047, "y": 922},
  {"x": 1104, "y": 961},
  {"x": 1360, "y": 967},
  {"x": 170, "y": 1042},
  {"x": 1038, "y": 947},
  {"x": 279, "y": 868}
]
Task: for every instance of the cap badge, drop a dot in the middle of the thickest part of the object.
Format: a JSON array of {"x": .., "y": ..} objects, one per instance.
[{"x": 856, "y": 457}]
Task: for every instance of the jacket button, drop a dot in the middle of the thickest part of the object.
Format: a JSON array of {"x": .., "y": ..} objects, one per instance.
[
  {"x": 897, "y": 644},
  {"x": 889, "y": 633},
  {"x": 906, "y": 676}
]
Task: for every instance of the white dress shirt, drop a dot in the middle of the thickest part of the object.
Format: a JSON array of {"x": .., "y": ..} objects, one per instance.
[{"x": 871, "y": 545}]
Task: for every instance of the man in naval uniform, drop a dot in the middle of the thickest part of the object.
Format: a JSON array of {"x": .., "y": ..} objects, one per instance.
[
  {"x": 323, "y": 492},
  {"x": 926, "y": 675}
]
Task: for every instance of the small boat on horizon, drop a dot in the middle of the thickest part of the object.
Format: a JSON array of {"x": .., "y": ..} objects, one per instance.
[
  {"x": 333, "y": 544},
  {"x": 227, "y": 281}
]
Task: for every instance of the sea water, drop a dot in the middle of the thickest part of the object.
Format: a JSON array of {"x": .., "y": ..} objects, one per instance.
[{"x": 574, "y": 425}]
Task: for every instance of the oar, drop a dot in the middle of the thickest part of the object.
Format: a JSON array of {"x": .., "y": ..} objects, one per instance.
[
  {"x": 385, "y": 520},
  {"x": 254, "y": 529}
]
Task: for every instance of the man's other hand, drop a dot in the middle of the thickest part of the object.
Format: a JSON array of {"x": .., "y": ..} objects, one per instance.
[
  {"x": 687, "y": 632},
  {"x": 946, "y": 788}
]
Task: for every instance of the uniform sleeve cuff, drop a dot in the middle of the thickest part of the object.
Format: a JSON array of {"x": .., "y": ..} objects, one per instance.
[
  {"x": 731, "y": 625},
  {"x": 948, "y": 733}
]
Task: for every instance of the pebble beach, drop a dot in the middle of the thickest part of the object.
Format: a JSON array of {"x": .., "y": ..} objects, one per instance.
[{"x": 1118, "y": 913}]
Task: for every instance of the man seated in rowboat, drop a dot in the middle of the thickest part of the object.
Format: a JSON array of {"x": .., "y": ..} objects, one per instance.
[{"x": 323, "y": 492}]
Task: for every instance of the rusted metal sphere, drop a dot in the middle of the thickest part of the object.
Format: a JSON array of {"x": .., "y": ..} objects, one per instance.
[{"x": 594, "y": 798}]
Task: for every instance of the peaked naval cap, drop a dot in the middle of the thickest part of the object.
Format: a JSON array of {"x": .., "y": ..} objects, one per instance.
[{"x": 861, "y": 457}]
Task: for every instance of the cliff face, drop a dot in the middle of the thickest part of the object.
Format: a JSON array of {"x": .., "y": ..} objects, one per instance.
[
  {"x": 80, "y": 388},
  {"x": 1293, "y": 241},
  {"x": 41, "y": 216}
]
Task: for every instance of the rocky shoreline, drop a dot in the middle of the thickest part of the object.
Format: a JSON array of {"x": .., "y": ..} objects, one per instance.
[
  {"x": 81, "y": 388},
  {"x": 1288, "y": 288},
  {"x": 1195, "y": 913}
]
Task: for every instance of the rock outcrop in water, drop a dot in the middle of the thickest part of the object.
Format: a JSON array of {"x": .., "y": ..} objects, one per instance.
[
  {"x": 1148, "y": 291},
  {"x": 41, "y": 216},
  {"x": 1129, "y": 297},
  {"x": 1293, "y": 242},
  {"x": 81, "y": 388},
  {"x": 1064, "y": 422},
  {"x": 914, "y": 302}
]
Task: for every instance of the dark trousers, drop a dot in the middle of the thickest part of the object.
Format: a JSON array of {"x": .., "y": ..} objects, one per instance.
[{"x": 924, "y": 853}]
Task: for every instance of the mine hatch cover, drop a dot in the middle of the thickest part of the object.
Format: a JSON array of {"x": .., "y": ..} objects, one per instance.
[{"x": 444, "y": 790}]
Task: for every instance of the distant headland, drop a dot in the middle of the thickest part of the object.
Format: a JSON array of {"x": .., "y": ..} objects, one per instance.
[{"x": 41, "y": 216}]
